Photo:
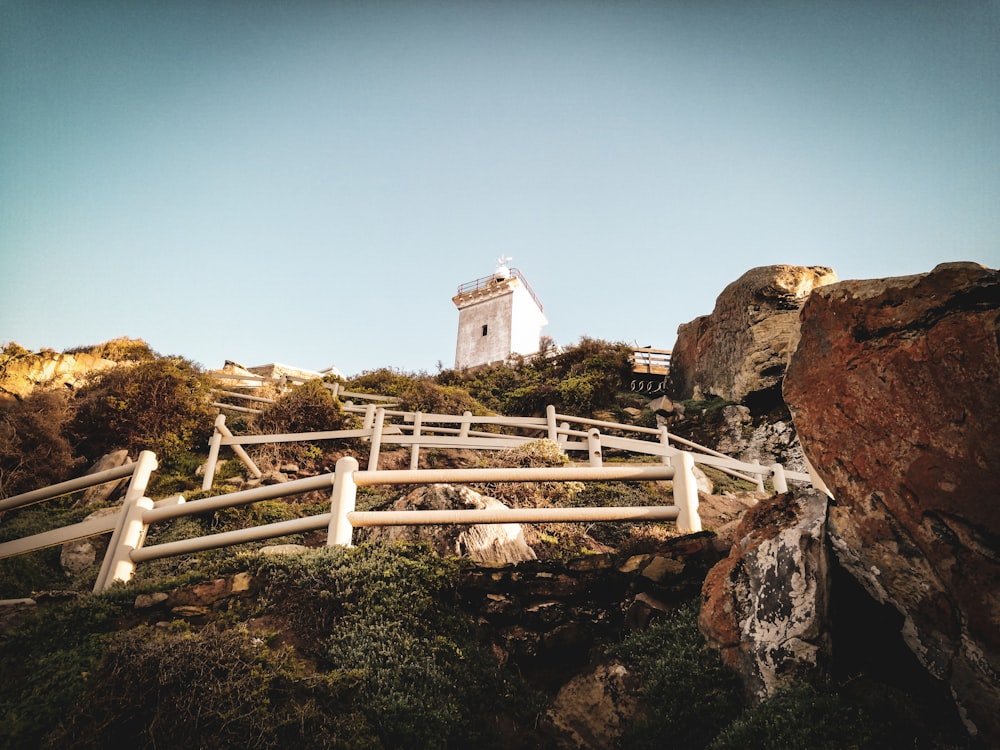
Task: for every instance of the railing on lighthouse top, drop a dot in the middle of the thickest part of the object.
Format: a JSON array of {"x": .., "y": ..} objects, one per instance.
[{"x": 502, "y": 273}]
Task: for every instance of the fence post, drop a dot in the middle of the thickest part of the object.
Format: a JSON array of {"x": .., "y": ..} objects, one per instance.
[
  {"x": 466, "y": 417},
  {"x": 563, "y": 435},
  {"x": 760, "y": 475},
  {"x": 129, "y": 531},
  {"x": 415, "y": 449},
  {"x": 665, "y": 442},
  {"x": 128, "y": 536},
  {"x": 345, "y": 493},
  {"x": 369, "y": 416},
  {"x": 594, "y": 446},
  {"x": 241, "y": 454},
  {"x": 686, "y": 493},
  {"x": 780, "y": 483},
  {"x": 550, "y": 418},
  {"x": 376, "y": 440},
  {"x": 213, "y": 453}
]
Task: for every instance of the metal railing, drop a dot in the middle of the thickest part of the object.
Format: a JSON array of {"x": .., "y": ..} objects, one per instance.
[
  {"x": 496, "y": 278},
  {"x": 129, "y": 525}
]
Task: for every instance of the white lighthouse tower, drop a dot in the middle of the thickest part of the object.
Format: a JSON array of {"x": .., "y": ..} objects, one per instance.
[{"x": 498, "y": 315}]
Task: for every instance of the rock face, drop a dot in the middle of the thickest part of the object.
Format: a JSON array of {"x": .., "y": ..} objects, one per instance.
[
  {"x": 895, "y": 393},
  {"x": 765, "y": 606},
  {"x": 496, "y": 543},
  {"x": 769, "y": 442},
  {"x": 741, "y": 348},
  {"x": 22, "y": 373}
]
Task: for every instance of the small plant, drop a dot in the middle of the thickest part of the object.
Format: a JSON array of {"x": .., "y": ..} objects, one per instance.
[{"x": 308, "y": 408}]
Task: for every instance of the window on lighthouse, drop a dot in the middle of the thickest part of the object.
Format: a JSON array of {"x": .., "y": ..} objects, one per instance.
[{"x": 485, "y": 327}]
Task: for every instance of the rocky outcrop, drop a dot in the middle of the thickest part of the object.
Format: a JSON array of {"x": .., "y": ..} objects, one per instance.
[
  {"x": 765, "y": 606},
  {"x": 739, "y": 351},
  {"x": 895, "y": 393},
  {"x": 497, "y": 543},
  {"x": 22, "y": 371},
  {"x": 770, "y": 442}
]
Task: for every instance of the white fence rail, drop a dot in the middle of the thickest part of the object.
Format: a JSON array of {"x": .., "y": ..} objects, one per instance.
[
  {"x": 123, "y": 528},
  {"x": 130, "y": 525},
  {"x": 383, "y": 426}
]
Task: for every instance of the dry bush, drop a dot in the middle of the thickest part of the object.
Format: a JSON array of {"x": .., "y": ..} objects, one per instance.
[
  {"x": 536, "y": 454},
  {"x": 34, "y": 448},
  {"x": 161, "y": 405},
  {"x": 310, "y": 407}
]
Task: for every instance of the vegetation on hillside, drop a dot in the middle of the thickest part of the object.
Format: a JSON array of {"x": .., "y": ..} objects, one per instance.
[
  {"x": 581, "y": 380},
  {"x": 368, "y": 647}
]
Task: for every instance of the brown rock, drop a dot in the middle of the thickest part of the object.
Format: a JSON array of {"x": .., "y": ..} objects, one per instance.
[
  {"x": 895, "y": 393},
  {"x": 741, "y": 348},
  {"x": 765, "y": 606},
  {"x": 78, "y": 555},
  {"x": 593, "y": 709},
  {"x": 22, "y": 373}
]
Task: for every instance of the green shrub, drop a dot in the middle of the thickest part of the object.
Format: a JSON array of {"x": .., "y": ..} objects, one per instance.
[
  {"x": 224, "y": 689},
  {"x": 807, "y": 716},
  {"x": 580, "y": 380},
  {"x": 686, "y": 691},
  {"x": 121, "y": 349},
  {"x": 417, "y": 392},
  {"x": 45, "y": 661},
  {"x": 309, "y": 407},
  {"x": 389, "y": 612}
]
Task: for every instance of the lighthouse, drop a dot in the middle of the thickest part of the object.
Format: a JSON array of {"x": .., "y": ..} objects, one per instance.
[{"x": 498, "y": 315}]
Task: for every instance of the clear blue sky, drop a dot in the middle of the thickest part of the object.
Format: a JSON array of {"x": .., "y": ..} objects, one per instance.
[{"x": 309, "y": 182}]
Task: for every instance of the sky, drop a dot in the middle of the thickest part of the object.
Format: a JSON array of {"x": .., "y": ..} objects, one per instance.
[{"x": 310, "y": 182}]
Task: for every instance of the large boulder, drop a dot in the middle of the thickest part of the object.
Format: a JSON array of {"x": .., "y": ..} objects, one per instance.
[
  {"x": 740, "y": 350},
  {"x": 765, "y": 606},
  {"x": 489, "y": 543},
  {"x": 104, "y": 492},
  {"x": 593, "y": 710},
  {"x": 894, "y": 389}
]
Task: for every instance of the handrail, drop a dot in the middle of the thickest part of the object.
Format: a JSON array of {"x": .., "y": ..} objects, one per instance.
[
  {"x": 419, "y": 430},
  {"x": 67, "y": 487}
]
